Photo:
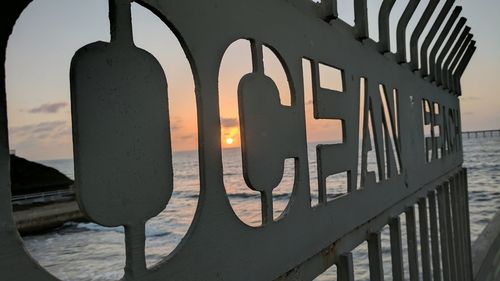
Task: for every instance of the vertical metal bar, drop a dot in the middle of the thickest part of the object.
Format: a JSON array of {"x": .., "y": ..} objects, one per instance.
[
  {"x": 437, "y": 45},
  {"x": 467, "y": 223},
  {"x": 411, "y": 234},
  {"x": 401, "y": 30},
  {"x": 315, "y": 79},
  {"x": 436, "y": 116},
  {"x": 446, "y": 67},
  {"x": 450, "y": 232},
  {"x": 257, "y": 57},
  {"x": 120, "y": 21},
  {"x": 316, "y": 84},
  {"x": 334, "y": 8},
  {"x": 436, "y": 264},
  {"x": 443, "y": 234},
  {"x": 424, "y": 239},
  {"x": 461, "y": 67},
  {"x": 447, "y": 49},
  {"x": 461, "y": 224},
  {"x": 455, "y": 62},
  {"x": 383, "y": 26},
  {"x": 345, "y": 268},
  {"x": 456, "y": 217},
  {"x": 396, "y": 250},
  {"x": 327, "y": 9},
  {"x": 430, "y": 37},
  {"x": 449, "y": 229},
  {"x": 361, "y": 19},
  {"x": 422, "y": 23},
  {"x": 266, "y": 199},
  {"x": 465, "y": 237},
  {"x": 375, "y": 257},
  {"x": 458, "y": 127},
  {"x": 428, "y": 120},
  {"x": 135, "y": 243}
]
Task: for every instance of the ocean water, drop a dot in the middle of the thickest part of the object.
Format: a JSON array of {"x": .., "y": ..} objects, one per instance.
[{"x": 86, "y": 251}]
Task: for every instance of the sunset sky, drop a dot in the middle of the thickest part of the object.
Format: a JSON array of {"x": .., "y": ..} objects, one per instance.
[{"x": 50, "y": 31}]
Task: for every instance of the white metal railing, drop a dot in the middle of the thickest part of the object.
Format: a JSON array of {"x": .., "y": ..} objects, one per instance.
[{"x": 42, "y": 196}]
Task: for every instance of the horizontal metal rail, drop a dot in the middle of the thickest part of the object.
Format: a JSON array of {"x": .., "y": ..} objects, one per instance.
[{"x": 42, "y": 196}]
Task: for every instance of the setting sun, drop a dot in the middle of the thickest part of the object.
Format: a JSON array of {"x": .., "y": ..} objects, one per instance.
[{"x": 229, "y": 140}]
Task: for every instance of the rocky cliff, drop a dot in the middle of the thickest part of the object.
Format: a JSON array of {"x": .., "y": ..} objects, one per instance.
[{"x": 31, "y": 177}]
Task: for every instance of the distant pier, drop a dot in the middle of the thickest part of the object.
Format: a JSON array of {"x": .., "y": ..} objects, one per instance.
[{"x": 483, "y": 133}]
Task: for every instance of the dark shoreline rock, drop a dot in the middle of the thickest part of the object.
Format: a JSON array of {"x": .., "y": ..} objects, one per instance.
[
  {"x": 34, "y": 216},
  {"x": 31, "y": 177}
]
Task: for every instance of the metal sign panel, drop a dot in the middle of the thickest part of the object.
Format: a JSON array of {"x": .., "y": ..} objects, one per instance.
[{"x": 411, "y": 125}]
